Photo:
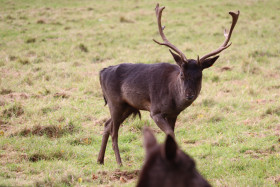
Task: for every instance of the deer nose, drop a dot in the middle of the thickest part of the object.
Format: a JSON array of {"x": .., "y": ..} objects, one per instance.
[{"x": 190, "y": 97}]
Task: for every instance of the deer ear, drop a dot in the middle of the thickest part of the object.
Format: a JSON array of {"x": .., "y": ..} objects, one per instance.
[
  {"x": 149, "y": 140},
  {"x": 208, "y": 62},
  {"x": 177, "y": 58},
  {"x": 170, "y": 148}
]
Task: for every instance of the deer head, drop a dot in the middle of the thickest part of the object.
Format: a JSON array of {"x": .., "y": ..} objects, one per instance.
[
  {"x": 166, "y": 165},
  {"x": 190, "y": 69}
]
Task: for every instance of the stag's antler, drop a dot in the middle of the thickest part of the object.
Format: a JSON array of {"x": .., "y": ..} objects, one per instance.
[
  {"x": 165, "y": 41},
  {"x": 227, "y": 35}
]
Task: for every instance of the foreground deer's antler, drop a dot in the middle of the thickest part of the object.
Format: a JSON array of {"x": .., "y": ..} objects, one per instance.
[
  {"x": 165, "y": 41},
  {"x": 227, "y": 35}
]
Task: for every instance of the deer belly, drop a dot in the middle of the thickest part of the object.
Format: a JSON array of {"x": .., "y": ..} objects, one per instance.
[{"x": 137, "y": 100}]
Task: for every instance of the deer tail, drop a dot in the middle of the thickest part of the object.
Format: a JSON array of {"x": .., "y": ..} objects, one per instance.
[
  {"x": 100, "y": 79},
  {"x": 105, "y": 100}
]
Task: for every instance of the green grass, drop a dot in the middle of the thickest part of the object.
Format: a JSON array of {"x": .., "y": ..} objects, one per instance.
[{"x": 52, "y": 110}]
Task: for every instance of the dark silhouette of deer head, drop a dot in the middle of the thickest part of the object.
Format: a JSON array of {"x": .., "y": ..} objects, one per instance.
[{"x": 168, "y": 166}]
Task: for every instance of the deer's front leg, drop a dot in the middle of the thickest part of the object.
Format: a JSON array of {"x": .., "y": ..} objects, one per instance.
[{"x": 163, "y": 124}]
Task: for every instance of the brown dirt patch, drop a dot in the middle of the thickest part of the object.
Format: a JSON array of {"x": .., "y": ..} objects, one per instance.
[
  {"x": 82, "y": 141},
  {"x": 238, "y": 82},
  {"x": 41, "y": 21},
  {"x": 2, "y": 103},
  {"x": 14, "y": 96},
  {"x": 11, "y": 156},
  {"x": 4, "y": 126},
  {"x": 126, "y": 174},
  {"x": 263, "y": 101},
  {"x": 271, "y": 111},
  {"x": 257, "y": 53},
  {"x": 15, "y": 110},
  {"x": 125, "y": 20},
  {"x": 277, "y": 131},
  {"x": 189, "y": 141},
  {"x": 226, "y": 68},
  {"x": 36, "y": 157},
  {"x": 117, "y": 175},
  {"x": 273, "y": 75},
  {"x": 83, "y": 48},
  {"x": 250, "y": 122},
  {"x": 63, "y": 95},
  {"x": 262, "y": 152},
  {"x": 59, "y": 155},
  {"x": 51, "y": 131},
  {"x": 5, "y": 91},
  {"x": 100, "y": 121},
  {"x": 9, "y": 73},
  {"x": 274, "y": 87},
  {"x": 275, "y": 179},
  {"x": 30, "y": 40},
  {"x": 255, "y": 134}
]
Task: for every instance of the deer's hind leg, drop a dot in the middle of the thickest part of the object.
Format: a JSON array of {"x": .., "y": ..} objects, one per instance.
[
  {"x": 118, "y": 116},
  {"x": 106, "y": 134}
]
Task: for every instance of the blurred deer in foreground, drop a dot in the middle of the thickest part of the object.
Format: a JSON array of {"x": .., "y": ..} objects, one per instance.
[
  {"x": 167, "y": 166},
  {"x": 163, "y": 89}
]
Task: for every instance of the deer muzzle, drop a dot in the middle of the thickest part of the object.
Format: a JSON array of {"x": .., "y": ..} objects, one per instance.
[{"x": 190, "y": 97}]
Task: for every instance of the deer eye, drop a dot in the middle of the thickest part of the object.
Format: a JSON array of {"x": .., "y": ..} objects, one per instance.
[{"x": 182, "y": 75}]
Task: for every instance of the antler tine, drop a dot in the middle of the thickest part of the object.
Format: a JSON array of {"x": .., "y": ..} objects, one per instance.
[
  {"x": 227, "y": 35},
  {"x": 165, "y": 41}
]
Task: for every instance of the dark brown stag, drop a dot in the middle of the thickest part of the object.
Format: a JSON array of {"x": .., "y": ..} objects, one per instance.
[
  {"x": 163, "y": 89},
  {"x": 167, "y": 166}
]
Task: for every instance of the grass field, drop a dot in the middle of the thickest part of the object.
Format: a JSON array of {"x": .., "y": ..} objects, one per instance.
[{"x": 52, "y": 110}]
